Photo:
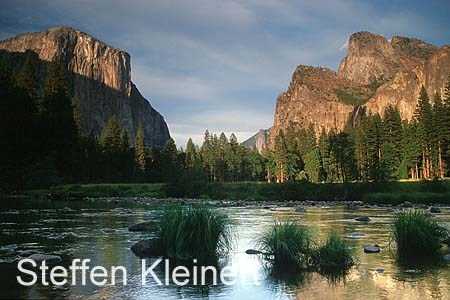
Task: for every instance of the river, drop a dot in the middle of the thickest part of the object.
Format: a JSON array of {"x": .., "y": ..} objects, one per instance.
[{"x": 99, "y": 231}]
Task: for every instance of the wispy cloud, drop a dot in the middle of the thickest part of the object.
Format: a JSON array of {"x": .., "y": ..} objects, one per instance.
[{"x": 221, "y": 64}]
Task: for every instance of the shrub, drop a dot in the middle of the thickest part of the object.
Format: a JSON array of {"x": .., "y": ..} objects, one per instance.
[
  {"x": 289, "y": 244},
  {"x": 334, "y": 256},
  {"x": 194, "y": 232},
  {"x": 417, "y": 234}
]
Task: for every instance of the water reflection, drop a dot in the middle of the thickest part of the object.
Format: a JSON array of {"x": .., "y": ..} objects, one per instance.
[{"x": 100, "y": 232}]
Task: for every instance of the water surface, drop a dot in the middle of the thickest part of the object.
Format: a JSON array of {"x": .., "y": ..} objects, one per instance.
[{"x": 99, "y": 231}]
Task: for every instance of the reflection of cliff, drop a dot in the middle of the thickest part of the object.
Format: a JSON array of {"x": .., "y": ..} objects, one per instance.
[{"x": 99, "y": 76}]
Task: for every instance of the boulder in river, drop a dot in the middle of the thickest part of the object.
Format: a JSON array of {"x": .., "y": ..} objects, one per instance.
[
  {"x": 253, "y": 252},
  {"x": 27, "y": 253},
  {"x": 371, "y": 249},
  {"x": 363, "y": 219},
  {"x": 49, "y": 259},
  {"x": 356, "y": 235},
  {"x": 300, "y": 210},
  {"x": 435, "y": 210},
  {"x": 147, "y": 248},
  {"x": 144, "y": 226},
  {"x": 447, "y": 257}
]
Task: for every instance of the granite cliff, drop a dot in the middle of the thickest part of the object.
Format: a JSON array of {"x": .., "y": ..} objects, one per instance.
[
  {"x": 99, "y": 75},
  {"x": 374, "y": 74}
]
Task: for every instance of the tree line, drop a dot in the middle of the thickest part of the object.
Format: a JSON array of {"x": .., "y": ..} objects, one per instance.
[
  {"x": 43, "y": 144},
  {"x": 380, "y": 148}
]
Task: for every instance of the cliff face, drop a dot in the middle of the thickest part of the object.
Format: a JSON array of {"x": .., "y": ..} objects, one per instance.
[
  {"x": 374, "y": 74},
  {"x": 99, "y": 75},
  {"x": 312, "y": 99},
  {"x": 259, "y": 140}
]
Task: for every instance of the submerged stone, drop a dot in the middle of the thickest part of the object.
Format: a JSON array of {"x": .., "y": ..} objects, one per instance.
[
  {"x": 300, "y": 210},
  {"x": 27, "y": 253},
  {"x": 147, "y": 248},
  {"x": 144, "y": 226},
  {"x": 371, "y": 249},
  {"x": 435, "y": 210},
  {"x": 363, "y": 219},
  {"x": 50, "y": 259},
  {"x": 356, "y": 235},
  {"x": 253, "y": 252}
]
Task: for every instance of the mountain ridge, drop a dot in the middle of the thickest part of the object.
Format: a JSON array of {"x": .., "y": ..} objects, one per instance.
[{"x": 99, "y": 75}]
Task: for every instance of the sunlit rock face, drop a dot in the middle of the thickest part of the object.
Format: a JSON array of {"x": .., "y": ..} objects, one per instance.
[
  {"x": 99, "y": 76},
  {"x": 374, "y": 74}
]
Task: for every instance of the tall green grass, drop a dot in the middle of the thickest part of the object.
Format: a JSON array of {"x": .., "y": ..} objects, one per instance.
[
  {"x": 194, "y": 232},
  {"x": 417, "y": 234},
  {"x": 334, "y": 256},
  {"x": 289, "y": 243}
]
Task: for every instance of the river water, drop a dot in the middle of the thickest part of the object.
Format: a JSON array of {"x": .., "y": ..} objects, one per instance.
[{"x": 99, "y": 231}]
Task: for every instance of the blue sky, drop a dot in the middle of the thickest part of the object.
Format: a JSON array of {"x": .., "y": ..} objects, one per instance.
[{"x": 221, "y": 64}]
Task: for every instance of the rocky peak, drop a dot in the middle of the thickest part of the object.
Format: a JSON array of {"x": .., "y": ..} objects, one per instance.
[
  {"x": 413, "y": 48},
  {"x": 99, "y": 75},
  {"x": 370, "y": 58},
  {"x": 374, "y": 74},
  {"x": 83, "y": 54}
]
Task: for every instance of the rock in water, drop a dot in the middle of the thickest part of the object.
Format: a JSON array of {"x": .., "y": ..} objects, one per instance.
[
  {"x": 253, "y": 252},
  {"x": 144, "y": 226},
  {"x": 363, "y": 219},
  {"x": 27, "y": 253},
  {"x": 300, "y": 209},
  {"x": 99, "y": 75},
  {"x": 371, "y": 249},
  {"x": 435, "y": 210},
  {"x": 447, "y": 257},
  {"x": 356, "y": 235},
  {"x": 147, "y": 248},
  {"x": 49, "y": 259}
]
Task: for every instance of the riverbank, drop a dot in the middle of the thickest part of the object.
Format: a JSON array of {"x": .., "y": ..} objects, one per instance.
[{"x": 426, "y": 192}]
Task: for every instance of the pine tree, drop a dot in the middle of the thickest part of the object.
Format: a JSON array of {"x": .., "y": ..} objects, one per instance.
[
  {"x": 27, "y": 79},
  {"x": 58, "y": 118},
  {"x": 77, "y": 115},
  {"x": 440, "y": 131},
  {"x": 424, "y": 117},
  {"x": 191, "y": 154},
  {"x": 140, "y": 150},
  {"x": 110, "y": 137}
]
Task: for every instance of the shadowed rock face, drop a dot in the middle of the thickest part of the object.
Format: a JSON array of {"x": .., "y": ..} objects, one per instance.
[
  {"x": 374, "y": 74},
  {"x": 99, "y": 76}
]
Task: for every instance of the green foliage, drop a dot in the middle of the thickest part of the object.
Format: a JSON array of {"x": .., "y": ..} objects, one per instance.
[
  {"x": 396, "y": 198},
  {"x": 289, "y": 243},
  {"x": 186, "y": 183},
  {"x": 334, "y": 256},
  {"x": 351, "y": 97},
  {"x": 140, "y": 154},
  {"x": 417, "y": 234},
  {"x": 194, "y": 232}
]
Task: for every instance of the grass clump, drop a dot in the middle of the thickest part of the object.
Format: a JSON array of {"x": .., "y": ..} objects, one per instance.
[
  {"x": 417, "y": 234},
  {"x": 194, "y": 232},
  {"x": 288, "y": 243},
  {"x": 334, "y": 256}
]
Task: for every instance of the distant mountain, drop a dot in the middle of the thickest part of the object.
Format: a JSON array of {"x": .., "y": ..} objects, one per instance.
[
  {"x": 374, "y": 74},
  {"x": 259, "y": 140},
  {"x": 99, "y": 75}
]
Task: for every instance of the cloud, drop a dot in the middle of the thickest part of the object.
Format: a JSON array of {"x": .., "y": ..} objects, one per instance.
[{"x": 221, "y": 64}]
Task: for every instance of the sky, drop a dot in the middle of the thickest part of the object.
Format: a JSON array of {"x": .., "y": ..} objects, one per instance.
[{"x": 220, "y": 65}]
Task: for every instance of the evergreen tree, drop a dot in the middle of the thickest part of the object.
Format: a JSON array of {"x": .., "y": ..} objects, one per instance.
[
  {"x": 424, "y": 117},
  {"x": 191, "y": 154},
  {"x": 140, "y": 150},
  {"x": 27, "y": 78},
  {"x": 58, "y": 118}
]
